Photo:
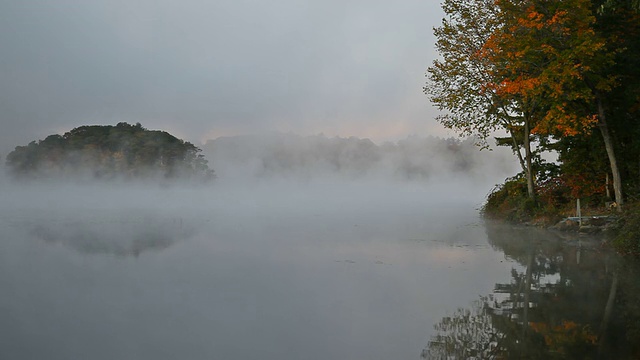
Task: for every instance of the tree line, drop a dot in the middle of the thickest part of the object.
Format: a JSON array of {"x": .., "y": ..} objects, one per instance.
[
  {"x": 107, "y": 152},
  {"x": 294, "y": 156},
  {"x": 553, "y": 75}
]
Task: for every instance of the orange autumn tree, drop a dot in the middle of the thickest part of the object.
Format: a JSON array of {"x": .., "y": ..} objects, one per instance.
[
  {"x": 552, "y": 67},
  {"x": 517, "y": 79},
  {"x": 528, "y": 67}
]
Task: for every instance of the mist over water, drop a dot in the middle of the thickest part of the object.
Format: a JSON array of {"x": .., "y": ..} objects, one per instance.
[
  {"x": 305, "y": 265},
  {"x": 304, "y": 158},
  {"x": 285, "y": 270}
]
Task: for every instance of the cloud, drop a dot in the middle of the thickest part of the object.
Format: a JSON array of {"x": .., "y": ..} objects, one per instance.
[{"x": 198, "y": 67}]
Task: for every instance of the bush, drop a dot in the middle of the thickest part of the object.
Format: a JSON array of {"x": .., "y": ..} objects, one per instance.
[
  {"x": 510, "y": 201},
  {"x": 627, "y": 237}
]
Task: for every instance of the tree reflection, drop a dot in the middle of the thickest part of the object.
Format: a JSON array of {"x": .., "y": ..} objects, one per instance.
[
  {"x": 567, "y": 299},
  {"x": 121, "y": 237},
  {"x": 469, "y": 333}
]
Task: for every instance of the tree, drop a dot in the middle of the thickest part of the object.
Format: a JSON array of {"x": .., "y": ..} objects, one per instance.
[
  {"x": 106, "y": 152},
  {"x": 537, "y": 67},
  {"x": 462, "y": 83},
  {"x": 618, "y": 21},
  {"x": 555, "y": 66}
]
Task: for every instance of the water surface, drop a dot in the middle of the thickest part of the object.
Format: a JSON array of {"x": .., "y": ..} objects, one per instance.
[{"x": 292, "y": 272}]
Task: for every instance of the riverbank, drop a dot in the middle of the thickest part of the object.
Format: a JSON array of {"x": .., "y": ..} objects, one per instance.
[{"x": 555, "y": 211}]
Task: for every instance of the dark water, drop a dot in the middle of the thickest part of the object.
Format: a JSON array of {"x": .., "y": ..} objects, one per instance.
[{"x": 337, "y": 274}]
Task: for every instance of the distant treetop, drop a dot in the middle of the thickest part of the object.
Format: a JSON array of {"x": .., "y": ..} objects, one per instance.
[{"x": 109, "y": 152}]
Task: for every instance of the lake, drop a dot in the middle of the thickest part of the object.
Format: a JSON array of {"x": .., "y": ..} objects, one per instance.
[{"x": 299, "y": 271}]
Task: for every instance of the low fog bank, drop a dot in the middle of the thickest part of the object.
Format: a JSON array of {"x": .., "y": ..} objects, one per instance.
[
  {"x": 266, "y": 182},
  {"x": 139, "y": 199},
  {"x": 277, "y": 157},
  {"x": 412, "y": 159},
  {"x": 269, "y": 171},
  {"x": 130, "y": 220}
]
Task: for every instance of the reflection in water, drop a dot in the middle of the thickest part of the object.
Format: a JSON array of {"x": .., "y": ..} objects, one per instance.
[
  {"x": 342, "y": 278},
  {"x": 117, "y": 235},
  {"x": 569, "y": 300},
  {"x": 467, "y": 334}
]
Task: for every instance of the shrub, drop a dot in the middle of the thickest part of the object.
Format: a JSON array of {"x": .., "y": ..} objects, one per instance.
[{"x": 627, "y": 237}]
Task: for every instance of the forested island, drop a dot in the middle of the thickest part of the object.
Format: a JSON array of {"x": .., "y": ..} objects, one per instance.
[
  {"x": 552, "y": 76},
  {"x": 105, "y": 152}
]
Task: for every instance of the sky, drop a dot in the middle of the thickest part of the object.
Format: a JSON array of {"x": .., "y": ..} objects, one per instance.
[{"x": 203, "y": 69}]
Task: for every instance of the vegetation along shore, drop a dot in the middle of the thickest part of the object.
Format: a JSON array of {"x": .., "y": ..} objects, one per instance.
[{"x": 554, "y": 78}]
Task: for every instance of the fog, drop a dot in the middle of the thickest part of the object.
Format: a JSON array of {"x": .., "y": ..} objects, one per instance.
[
  {"x": 281, "y": 179},
  {"x": 353, "y": 255},
  {"x": 415, "y": 158}
]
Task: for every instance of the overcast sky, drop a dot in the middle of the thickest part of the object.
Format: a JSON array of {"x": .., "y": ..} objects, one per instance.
[{"x": 202, "y": 69}]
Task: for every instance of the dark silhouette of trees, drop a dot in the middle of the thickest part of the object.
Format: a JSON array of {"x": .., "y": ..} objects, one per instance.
[{"x": 108, "y": 152}]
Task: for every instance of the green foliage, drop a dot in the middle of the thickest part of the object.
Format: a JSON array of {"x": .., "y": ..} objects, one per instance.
[
  {"x": 456, "y": 83},
  {"x": 546, "y": 71},
  {"x": 107, "y": 152},
  {"x": 510, "y": 202},
  {"x": 627, "y": 238}
]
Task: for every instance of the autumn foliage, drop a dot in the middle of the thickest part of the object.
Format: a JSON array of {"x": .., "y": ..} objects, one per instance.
[
  {"x": 549, "y": 56},
  {"x": 553, "y": 75}
]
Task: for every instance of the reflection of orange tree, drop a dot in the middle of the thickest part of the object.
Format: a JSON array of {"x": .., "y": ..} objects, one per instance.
[
  {"x": 562, "y": 303},
  {"x": 574, "y": 295},
  {"x": 521, "y": 320},
  {"x": 567, "y": 338}
]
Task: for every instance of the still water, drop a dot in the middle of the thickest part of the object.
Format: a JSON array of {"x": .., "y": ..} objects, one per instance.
[{"x": 348, "y": 273}]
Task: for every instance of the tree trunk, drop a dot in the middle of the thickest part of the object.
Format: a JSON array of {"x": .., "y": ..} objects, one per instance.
[
  {"x": 516, "y": 149},
  {"x": 608, "y": 144},
  {"x": 527, "y": 155}
]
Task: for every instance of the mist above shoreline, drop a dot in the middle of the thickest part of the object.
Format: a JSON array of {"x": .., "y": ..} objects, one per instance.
[{"x": 310, "y": 157}]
